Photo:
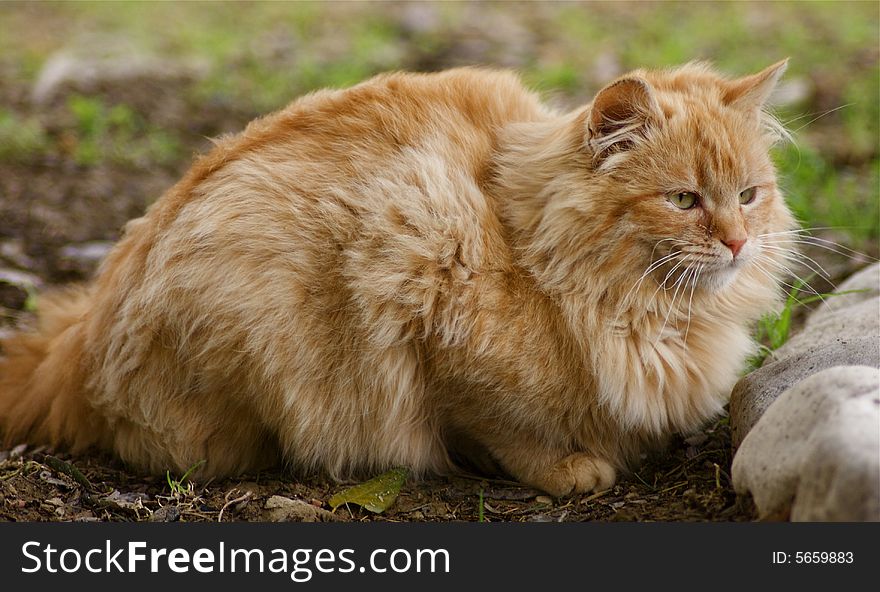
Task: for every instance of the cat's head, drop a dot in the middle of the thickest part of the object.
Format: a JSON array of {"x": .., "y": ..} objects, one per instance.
[{"x": 681, "y": 168}]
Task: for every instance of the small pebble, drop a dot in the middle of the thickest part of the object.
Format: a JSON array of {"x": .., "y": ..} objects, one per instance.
[
  {"x": 166, "y": 514},
  {"x": 541, "y": 518}
]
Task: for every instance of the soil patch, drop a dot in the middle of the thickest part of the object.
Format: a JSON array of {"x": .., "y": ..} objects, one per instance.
[{"x": 690, "y": 481}]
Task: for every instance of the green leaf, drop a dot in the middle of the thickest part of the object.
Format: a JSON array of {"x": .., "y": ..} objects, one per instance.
[
  {"x": 69, "y": 470},
  {"x": 375, "y": 495}
]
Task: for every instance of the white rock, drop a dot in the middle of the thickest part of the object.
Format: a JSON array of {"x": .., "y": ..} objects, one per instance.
[
  {"x": 843, "y": 331},
  {"x": 84, "y": 68},
  {"x": 285, "y": 509},
  {"x": 420, "y": 18},
  {"x": 849, "y": 316},
  {"x": 815, "y": 453},
  {"x": 846, "y": 324},
  {"x": 754, "y": 393},
  {"x": 85, "y": 257},
  {"x": 20, "y": 278},
  {"x": 868, "y": 279},
  {"x": 13, "y": 251},
  {"x": 790, "y": 92}
]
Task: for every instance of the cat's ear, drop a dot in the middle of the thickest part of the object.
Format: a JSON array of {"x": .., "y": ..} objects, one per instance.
[
  {"x": 619, "y": 116},
  {"x": 751, "y": 92}
]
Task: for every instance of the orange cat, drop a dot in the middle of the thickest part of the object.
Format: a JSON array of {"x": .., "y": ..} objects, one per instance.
[{"x": 427, "y": 268}]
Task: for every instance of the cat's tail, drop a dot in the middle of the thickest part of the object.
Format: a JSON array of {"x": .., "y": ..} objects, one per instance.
[{"x": 43, "y": 397}]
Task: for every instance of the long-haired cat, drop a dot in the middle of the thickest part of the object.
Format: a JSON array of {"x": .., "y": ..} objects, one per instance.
[{"x": 425, "y": 268}]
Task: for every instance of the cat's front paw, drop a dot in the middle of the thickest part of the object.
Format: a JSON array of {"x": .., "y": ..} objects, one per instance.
[{"x": 576, "y": 473}]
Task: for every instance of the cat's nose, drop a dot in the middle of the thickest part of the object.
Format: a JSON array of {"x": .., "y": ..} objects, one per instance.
[{"x": 734, "y": 245}]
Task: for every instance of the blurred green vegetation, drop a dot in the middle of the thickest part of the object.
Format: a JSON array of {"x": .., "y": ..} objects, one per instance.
[
  {"x": 259, "y": 56},
  {"x": 821, "y": 194},
  {"x": 21, "y": 138},
  {"x": 117, "y": 134}
]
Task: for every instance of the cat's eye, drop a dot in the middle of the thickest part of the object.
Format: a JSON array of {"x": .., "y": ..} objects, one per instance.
[
  {"x": 684, "y": 200},
  {"x": 748, "y": 196}
]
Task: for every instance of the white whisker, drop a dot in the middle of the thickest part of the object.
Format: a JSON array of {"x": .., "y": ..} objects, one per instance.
[
  {"x": 777, "y": 280},
  {"x": 799, "y": 231},
  {"x": 828, "y": 244},
  {"x": 670, "y": 272},
  {"x": 677, "y": 285},
  {"x": 653, "y": 266},
  {"x": 665, "y": 279},
  {"x": 821, "y": 243},
  {"x": 805, "y": 283},
  {"x": 657, "y": 244},
  {"x": 820, "y": 116},
  {"x": 800, "y": 258},
  {"x": 690, "y": 304}
]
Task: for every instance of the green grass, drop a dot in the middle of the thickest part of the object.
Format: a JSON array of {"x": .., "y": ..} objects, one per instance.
[
  {"x": 118, "y": 134},
  {"x": 554, "y": 78},
  {"x": 183, "y": 486},
  {"x": 820, "y": 194},
  {"x": 21, "y": 138},
  {"x": 774, "y": 329}
]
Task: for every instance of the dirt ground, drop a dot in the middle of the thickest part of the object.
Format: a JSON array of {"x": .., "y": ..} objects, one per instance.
[
  {"x": 59, "y": 214},
  {"x": 689, "y": 482}
]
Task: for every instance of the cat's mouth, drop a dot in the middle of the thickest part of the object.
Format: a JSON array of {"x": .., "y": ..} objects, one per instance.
[
  {"x": 700, "y": 269},
  {"x": 725, "y": 271},
  {"x": 723, "y": 276}
]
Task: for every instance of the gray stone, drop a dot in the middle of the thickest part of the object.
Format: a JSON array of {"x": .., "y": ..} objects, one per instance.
[
  {"x": 791, "y": 92},
  {"x": 285, "y": 509},
  {"x": 840, "y": 317},
  {"x": 84, "y": 258},
  {"x": 828, "y": 326},
  {"x": 102, "y": 61},
  {"x": 607, "y": 66},
  {"x": 815, "y": 453},
  {"x": 843, "y": 330},
  {"x": 166, "y": 514},
  {"x": 754, "y": 393},
  {"x": 12, "y": 251},
  {"x": 20, "y": 278},
  {"x": 867, "y": 280},
  {"x": 420, "y": 18}
]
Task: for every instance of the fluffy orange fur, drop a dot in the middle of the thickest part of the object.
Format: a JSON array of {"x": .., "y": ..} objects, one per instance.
[{"x": 424, "y": 270}]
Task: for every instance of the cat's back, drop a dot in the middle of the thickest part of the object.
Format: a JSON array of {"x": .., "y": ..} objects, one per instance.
[
  {"x": 328, "y": 146},
  {"x": 461, "y": 108},
  {"x": 355, "y": 132}
]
